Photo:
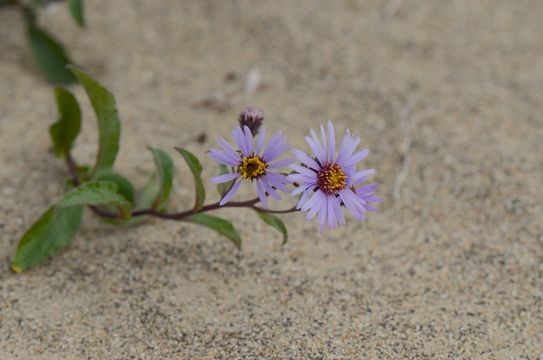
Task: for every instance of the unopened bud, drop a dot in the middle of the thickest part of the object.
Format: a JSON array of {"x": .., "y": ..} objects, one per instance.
[{"x": 252, "y": 118}]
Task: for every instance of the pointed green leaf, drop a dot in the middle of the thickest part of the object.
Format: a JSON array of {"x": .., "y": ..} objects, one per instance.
[
  {"x": 53, "y": 230},
  {"x": 274, "y": 222},
  {"x": 94, "y": 193},
  {"x": 65, "y": 130},
  {"x": 164, "y": 165},
  {"x": 224, "y": 187},
  {"x": 196, "y": 169},
  {"x": 217, "y": 224},
  {"x": 76, "y": 9},
  {"x": 124, "y": 186},
  {"x": 109, "y": 127},
  {"x": 49, "y": 53}
]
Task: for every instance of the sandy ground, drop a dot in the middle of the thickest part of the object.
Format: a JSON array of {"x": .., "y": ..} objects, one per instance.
[{"x": 451, "y": 269}]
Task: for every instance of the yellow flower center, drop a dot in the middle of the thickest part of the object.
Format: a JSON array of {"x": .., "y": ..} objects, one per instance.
[
  {"x": 331, "y": 179},
  {"x": 252, "y": 167}
]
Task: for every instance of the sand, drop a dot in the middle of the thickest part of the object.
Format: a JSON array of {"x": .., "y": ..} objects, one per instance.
[{"x": 451, "y": 267}]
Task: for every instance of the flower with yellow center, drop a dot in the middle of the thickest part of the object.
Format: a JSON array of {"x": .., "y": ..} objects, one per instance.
[{"x": 253, "y": 162}]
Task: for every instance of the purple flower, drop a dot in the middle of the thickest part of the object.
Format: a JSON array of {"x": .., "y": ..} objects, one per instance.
[
  {"x": 327, "y": 182},
  {"x": 253, "y": 162}
]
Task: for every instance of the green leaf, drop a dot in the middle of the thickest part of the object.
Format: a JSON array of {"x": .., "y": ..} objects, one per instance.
[
  {"x": 164, "y": 165},
  {"x": 196, "y": 169},
  {"x": 124, "y": 186},
  {"x": 65, "y": 130},
  {"x": 54, "y": 230},
  {"x": 93, "y": 193},
  {"x": 224, "y": 187},
  {"x": 76, "y": 9},
  {"x": 48, "y": 52},
  {"x": 109, "y": 126},
  {"x": 274, "y": 222},
  {"x": 218, "y": 224}
]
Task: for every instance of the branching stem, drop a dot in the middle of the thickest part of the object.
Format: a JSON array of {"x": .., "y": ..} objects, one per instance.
[{"x": 251, "y": 204}]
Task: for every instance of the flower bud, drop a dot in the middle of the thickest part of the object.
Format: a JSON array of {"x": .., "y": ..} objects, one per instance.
[{"x": 252, "y": 118}]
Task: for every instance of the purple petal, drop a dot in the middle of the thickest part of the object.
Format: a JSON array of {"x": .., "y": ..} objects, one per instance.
[
  {"x": 352, "y": 203},
  {"x": 331, "y": 142},
  {"x": 248, "y": 138},
  {"x": 339, "y": 212},
  {"x": 353, "y": 159},
  {"x": 276, "y": 147},
  {"x": 312, "y": 201},
  {"x": 230, "y": 194},
  {"x": 261, "y": 194},
  {"x": 302, "y": 170},
  {"x": 347, "y": 147},
  {"x": 361, "y": 176},
  {"x": 305, "y": 159},
  {"x": 279, "y": 164},
  {"x": 239, "y": 138},
  {"x": 319, "y": 203},
  {"x": 317, "y": 148},
  {"x": 332, "y": 217},
  {"x": 228, "y": 149},
  {"x": 222, "y": 157},
  {"x": 260, "y": 141},
  {"x": 277, "y": 180},
  {"x": 224, "y": 178},
  {"x": 301, "y": 178},
  {"x": 271, "y": 191},
  {"x": 323, "y": 213},
  {"x": 368, "y": 189}
]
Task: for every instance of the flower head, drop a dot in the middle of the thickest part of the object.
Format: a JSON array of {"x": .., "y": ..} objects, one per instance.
[
  {"x": 328, "y": 182},
  {"x": 253, "y": 162},
  {"x": 252, "y": 118}
]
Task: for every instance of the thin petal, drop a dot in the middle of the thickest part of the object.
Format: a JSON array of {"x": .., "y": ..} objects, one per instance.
[
  {"x": 339, "y": 212},
  {"x": 323, "y": 213},
  {"x": 230, "y": 194},
  {"x": 239, "y": 138},
  {"x": 261, "y": 194},
  {"x": 303, "y": 170},
  {"x": 270, "y": 190},
  {"x": 301, "y": 178},
  {"x": 249, "y": 139},
  {"x": 353, "y": 159},
  {"x": 223, "y": 158},
  {"x": 347, "y": 147},
  {"x": 277, "y": 180},
  {"x": 305, "y": 159},
  {"x": 224, "y": 178},
  {"x": 361, "y": 176},
  {"x": 260, "y": 141},
  {"x": 279, "y": 164},
  {"x": 352, "y": 203},
  {"x": 321, "y": 198},
  {"x": 331, "y": 142},
  {"x": 332, "y": 217},
  {"x": 228, "y": 149},
  {"x": 312, "y": 201},
  {"x": 276, "y": 147}
]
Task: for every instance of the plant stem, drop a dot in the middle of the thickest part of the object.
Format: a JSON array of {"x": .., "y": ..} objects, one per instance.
[{"x": 72, "y": 169}]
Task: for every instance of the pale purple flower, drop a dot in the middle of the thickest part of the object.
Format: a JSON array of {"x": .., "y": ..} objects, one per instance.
[
  {"x": 328, "y": 182},
  {"x": 253, "y": 162}
]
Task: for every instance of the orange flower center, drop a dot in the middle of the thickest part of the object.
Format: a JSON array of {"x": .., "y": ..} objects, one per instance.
[{"x": 331, "y": 179}]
